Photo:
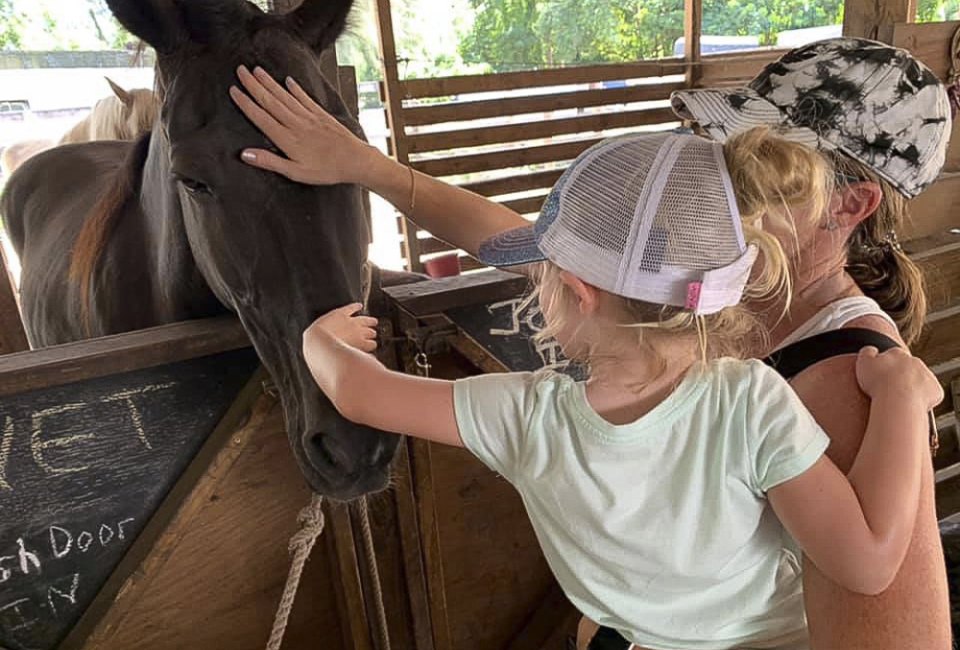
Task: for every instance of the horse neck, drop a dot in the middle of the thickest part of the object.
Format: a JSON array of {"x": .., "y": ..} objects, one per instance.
[{"x": 179, "y": 290}]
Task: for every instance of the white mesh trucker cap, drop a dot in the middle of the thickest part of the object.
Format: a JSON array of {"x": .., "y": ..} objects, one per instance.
[{"x": 651, "y": 217}]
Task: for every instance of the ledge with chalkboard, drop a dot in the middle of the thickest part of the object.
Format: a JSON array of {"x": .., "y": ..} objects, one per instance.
[
  {"x": 494, "y": 324},
  {"x": 94, "y": 436}
]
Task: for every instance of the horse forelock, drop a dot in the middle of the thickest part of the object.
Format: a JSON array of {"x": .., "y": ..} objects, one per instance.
[{"x": 102, "y": 220}]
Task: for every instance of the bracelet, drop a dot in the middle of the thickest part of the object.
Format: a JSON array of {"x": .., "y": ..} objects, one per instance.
[{"x": 413, "y": 190}]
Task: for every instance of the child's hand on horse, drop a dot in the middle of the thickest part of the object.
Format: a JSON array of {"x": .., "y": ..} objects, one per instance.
[
  {"x": 319, "y": 149},
  {"x": 347, "y": 325},
  {"x": 896, "y": 374}
]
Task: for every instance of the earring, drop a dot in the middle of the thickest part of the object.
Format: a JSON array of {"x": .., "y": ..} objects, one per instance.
[{"x": 830, "y": 225}]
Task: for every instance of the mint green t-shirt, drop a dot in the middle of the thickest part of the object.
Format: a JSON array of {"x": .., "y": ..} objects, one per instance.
[{"x": 660, "y": 528}]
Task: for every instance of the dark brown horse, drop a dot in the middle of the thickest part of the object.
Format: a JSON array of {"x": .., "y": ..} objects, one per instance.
[{"x": 118, "y": 236}]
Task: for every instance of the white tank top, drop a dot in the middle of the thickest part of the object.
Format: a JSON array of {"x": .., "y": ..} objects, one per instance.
[{"x": 836, "y": 315}]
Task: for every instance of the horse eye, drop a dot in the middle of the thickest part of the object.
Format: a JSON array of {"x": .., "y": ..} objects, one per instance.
[{"x": 192, "y": 185}]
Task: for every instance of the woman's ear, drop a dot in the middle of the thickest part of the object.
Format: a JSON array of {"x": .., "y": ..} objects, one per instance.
[
  {"x": 855, "y": 202},
  {"x": 588, "y": 296}
]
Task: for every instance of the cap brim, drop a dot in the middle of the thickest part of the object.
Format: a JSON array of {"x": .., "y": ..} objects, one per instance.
[
  {"x": 726, "y": 111},
  {"x": 511, "y": 248}
]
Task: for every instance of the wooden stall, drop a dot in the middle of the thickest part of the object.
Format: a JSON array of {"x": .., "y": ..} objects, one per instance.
[{"x": 149, "y": 478}]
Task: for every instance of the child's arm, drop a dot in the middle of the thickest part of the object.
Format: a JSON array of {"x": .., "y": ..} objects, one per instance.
[
  {"x": 857, "y": 528},
  {"x": 336, "y": 350},
  {"x": 321, "y": 151}
]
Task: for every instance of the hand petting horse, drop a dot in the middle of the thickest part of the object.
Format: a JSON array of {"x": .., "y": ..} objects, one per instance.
[{"x": 121, "y": 236}]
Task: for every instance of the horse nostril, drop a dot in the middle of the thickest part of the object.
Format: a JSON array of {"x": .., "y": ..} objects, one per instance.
[{"x": 325, "y": 452}]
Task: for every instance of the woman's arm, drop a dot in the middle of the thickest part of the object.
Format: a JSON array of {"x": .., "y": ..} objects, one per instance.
[
  {"x": 321, "y": 151},
  {"x": 336, "y": 350},
  {"x": 914, "y": 612},
  {"x": 856, "y": 529}
]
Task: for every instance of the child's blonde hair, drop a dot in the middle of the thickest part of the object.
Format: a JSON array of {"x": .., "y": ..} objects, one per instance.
[{"x": 772, "y": 178}]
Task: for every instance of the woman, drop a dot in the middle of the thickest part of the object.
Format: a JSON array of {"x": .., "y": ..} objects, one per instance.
[{"x": 836, "y": 261}]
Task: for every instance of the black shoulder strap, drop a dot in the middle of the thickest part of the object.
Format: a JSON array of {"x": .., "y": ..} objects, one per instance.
[{"x": 794, "y": 359}]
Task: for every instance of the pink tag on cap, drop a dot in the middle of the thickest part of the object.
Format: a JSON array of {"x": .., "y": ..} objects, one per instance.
[{"x": 693, "y": 294}]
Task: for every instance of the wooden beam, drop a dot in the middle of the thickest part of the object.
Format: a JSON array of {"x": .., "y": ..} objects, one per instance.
[
  {"x": 875, "y": 18},
  {"x": 929, "y": 42},
  {"x": 106, "y": 614},
  {"x": 395, "y": 121},
  {"x": 157, "y": 346},
  {"x": 429, "y": 114},
  {"x": 436, "y": 296},
  {"x": 13, "y": 337},
  {"x": 447, "y": 86},
  {"x": 692, "y": 28},
  {"x": 538, "y": 129}
]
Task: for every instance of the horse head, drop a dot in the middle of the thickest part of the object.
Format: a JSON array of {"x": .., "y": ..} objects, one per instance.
[
  {"x": 137, "y": 112},
  {"x": 277, "y": 253}
]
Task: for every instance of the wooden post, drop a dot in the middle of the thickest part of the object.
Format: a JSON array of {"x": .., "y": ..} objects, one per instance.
[
  {"x": 398, "y": 135},
  {"x": 875, "y": 18},
  {"x": 692, "y": 28},
  {"x": 13, "y": 338}
]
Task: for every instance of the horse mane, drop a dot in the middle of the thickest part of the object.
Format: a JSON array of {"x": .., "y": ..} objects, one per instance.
[{"x": 102, "y": 220}]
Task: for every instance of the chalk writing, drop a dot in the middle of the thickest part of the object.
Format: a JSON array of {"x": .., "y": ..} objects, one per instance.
[
  {"x": 126, "y": 396},
  {"x": 524, "y": 321},
  {"x": 60, "y": 541},
  {"x": 40, "y": 445},
  {"x": 25, "y": 612},
  {"x": 6, "y": 442}
]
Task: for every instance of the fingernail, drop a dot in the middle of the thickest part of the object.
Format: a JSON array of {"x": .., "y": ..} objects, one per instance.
[
  {"x": 249, "y": 156},
  {"x": 242, "y": 70},
  {"x": 291, "y": 81},
  {"x": 259, "y": 71}
]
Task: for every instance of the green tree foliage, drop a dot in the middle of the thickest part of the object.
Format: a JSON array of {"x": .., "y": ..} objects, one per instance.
[
  {"x": 508, "y": 34},
  {"x": 767, "y": 19},
  {"x": 108, "y": 29},
  {"x": 11, "y": 26},
  {"x": 929, "y": 11}
]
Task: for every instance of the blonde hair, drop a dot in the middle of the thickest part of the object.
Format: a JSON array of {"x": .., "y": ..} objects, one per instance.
[
  {"x": 771, "y": 178},
  {"x": 875, "y": 260}
]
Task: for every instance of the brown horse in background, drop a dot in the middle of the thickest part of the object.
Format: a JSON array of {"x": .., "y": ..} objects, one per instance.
[{"x": 118, "y": 236}]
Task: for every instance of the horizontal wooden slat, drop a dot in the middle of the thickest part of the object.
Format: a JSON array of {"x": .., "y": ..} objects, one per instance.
[
  {"x": 65, "y": 364},
  {"x": 512, "y": 184},
  {"x": 445, "y": 140},
  {"x": 929, "y": 42},
  {"x": 476, "y": 110},
  {"x": 724, "y": 70},
  {"x": 445, "y": 86},
  {"x": 940, "y": 341},
  {"x": 528, "y": 205},
  {"x": 947, "y": 372},
  {"x": 428, "y": 246},
  {"x": 468, "y": 263},
  {"x": 936, "y": 210},
  {"x": 504, "y": 159},
  {"x": 939, "y": 258},
  {"x": 436, "y": 296}
]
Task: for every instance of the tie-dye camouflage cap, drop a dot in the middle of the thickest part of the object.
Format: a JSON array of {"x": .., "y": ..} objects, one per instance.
[{"x": 871, "y": 101}]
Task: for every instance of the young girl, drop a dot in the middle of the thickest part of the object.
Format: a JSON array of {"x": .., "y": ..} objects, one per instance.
[{"x": 667, "y": 491}]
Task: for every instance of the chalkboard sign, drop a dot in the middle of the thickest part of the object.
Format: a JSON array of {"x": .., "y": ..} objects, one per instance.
[
  {"x": 505, "y": 331},
  {"x": 82, "y": 469}
]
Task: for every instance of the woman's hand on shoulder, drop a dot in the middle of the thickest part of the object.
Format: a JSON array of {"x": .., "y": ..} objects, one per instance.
[
  {"x": 897, "y": 374},
  {"x": 319, "y": 149}
]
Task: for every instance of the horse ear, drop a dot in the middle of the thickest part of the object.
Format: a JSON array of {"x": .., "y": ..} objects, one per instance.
[
  {"x": 156, "y": 22},
  {"x": 123, "y": 95},
  {"x": 321, "y": 21}
]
